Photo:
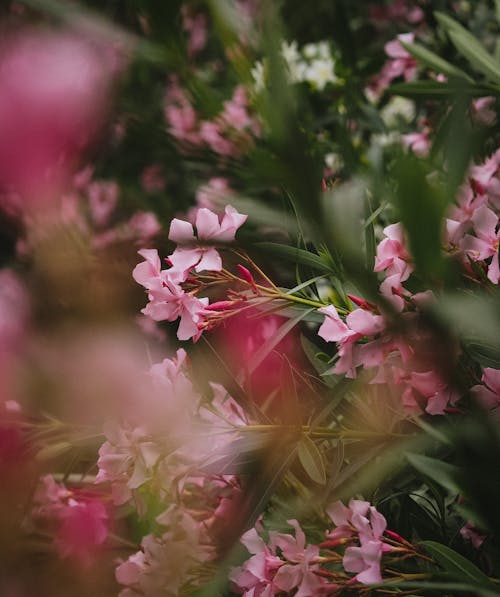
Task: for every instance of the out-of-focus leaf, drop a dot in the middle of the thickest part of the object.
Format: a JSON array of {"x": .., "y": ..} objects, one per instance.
[
  {"x": 443, "y": 588},
  {"x": 440, "y": 472},
  {"x": 53, "y": 451},
  {"x": 436, "y": 89},
  {"x": 470, "y": 47},
  {"x": 486, "y": 354},
  {"x": 295, "y": 255},
  {"x": 421, "y": 207},
  {"x": 435, "y": 62},
  {"x": 311, "y": 459},
  {"x": 370, "y": 243},
  {"x": 454, "y": 563}
]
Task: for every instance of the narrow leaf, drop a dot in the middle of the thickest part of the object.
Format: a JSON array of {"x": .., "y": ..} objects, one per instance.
[
  {"x": 454, "y": 563},
  {"x": 295, "y": 255},
  {"x": 435, "y": 62},
  {"x": 442, "y": 473},
  {"x": 470, "y": 47},
  {"x": 311, "y": 459}
]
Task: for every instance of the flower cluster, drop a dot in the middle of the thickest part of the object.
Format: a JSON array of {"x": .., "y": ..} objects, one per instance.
[
  {"x": 230, "y": 134},
  {"x": 312, "y": 64},
  {"x": 286, "y": 562},
  {"x": 168, "y": 301}
]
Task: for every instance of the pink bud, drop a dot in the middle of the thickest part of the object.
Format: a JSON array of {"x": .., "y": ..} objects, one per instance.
[
  {"x": 361, "y": 302},
  {"x": 221, "y": 305},
  {"x": 247, "y": 276}
]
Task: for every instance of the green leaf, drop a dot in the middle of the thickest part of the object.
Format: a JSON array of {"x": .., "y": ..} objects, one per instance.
[
  {"x": 421, "y": 207},
  {"x": 455, "y": 564},
  {"x": 295, "y": 255},
  {"x": 442, "y": 588},
  {"x": 486, "y": 354},
  {"x": 470, "y": 48},
  {"x": 311, "y": 459},
  {"x": 442, "y": 473},
  {"x": 311, "y": 351},
  {"x": 433, "y": 89},
  {"x": 435, "y": 62}
]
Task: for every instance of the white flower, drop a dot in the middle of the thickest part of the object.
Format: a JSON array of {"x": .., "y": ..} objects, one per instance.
[
  {"x": 334, "y": 161},
  {"x": 323, "y": 50},
  {"x": 310, "y": 50},
  {"x": 290, "y": 52},
  {"x": 385, "y": 139},
  {"x": 398, "y": 108},
  {"x": 321, "y": 72}
]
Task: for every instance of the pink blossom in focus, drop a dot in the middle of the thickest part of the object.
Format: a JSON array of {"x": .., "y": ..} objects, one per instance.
[
  {"x": 255, "y": 576},
  {"x": 359, "y": 323},
  {"x": 362, "y": 521},
  {"x": 209, "y": 230},
  {"x": 301, "y": 563}
]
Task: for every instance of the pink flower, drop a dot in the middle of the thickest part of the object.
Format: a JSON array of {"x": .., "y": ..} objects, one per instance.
[
  {"x": 170, "y": 302},
  {"x": 102, "y": 198},
  {"x": 255, "y": 576},
  {"x": 47, "y": 121},
  {"x": 360, "y": 520},
  {"x": 485, "y": 244},
  {"x": 401, "y": 63},
  {"x": 164, "y": 563},
  {"x": 144, "y": 225},
  {"x": 489, "y": 393},
  {"x": 484, "y": 178},
  {"x": 208, "y": 195},
  {"x": 299, "y": 570},
  {"x": 429, "y": 385},
  {"x": 81, "y": 520},
  {"x": 470, "y": 532},
  {"x": 213, "y": 134},
  {"x": 419, "y": 143},
  {"x": 333, "y": 329},
  {"x": 148, "y": 273},
  {"x": 483, "y": 112},
  {"x": 392, "y": 254},
  {"x": 195, "y": 24},
  {"x": 359, "y": 323},
  {"x": 209, "y": 230},
  {"x": 365, "y": 560},
  {"x": 126, "y": 460},
  {"x": 83, "y": 526},
  {"x": 167, "y": 300}
]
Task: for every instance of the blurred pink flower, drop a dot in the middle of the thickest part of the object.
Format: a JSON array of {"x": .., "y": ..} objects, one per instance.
[
  {"x": 53, "y": 92},
  {"x": 485, "y": 244}
]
